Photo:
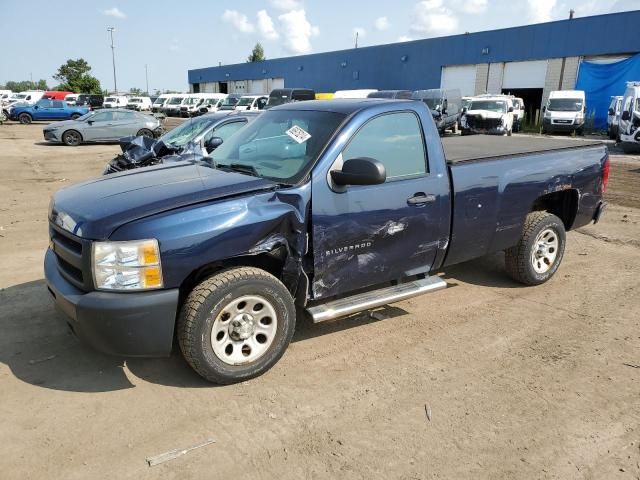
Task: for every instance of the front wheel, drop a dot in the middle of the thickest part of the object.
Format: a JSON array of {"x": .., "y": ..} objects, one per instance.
[
  {"x": 25, "y": 118},
  {"x": 71, "y": 138},
  {"x": 144, "y": 132},
  {"x": 236, "y": 325},
  {"x": 537, "y": 255}
]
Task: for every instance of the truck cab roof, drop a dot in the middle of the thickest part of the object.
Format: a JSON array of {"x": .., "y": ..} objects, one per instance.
[{"x": 346, "y": 106}]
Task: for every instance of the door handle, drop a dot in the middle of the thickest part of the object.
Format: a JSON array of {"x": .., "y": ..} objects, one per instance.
[{"x": 421, "y": 198}]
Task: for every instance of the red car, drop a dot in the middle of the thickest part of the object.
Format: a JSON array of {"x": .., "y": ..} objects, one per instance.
[{"x": 54, "y": 95}]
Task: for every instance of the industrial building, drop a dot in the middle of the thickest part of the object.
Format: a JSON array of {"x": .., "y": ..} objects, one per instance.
[{"x": 527, "y": 61}]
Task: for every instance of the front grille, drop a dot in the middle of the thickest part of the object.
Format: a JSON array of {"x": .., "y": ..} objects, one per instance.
[
  {"x": 563, "y": 122},
  {"x": 476, "y": 121},
  {"x": 73, "y": 255}
]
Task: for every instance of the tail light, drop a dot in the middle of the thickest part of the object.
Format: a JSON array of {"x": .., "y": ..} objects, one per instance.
[{"x": 605, "y": 173}]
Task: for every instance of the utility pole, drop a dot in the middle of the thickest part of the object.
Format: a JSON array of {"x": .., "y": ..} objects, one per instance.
[
  {"x": 113, "y": 59},
  {"x": 146, "y": 77},
  {"x": 357, "y": 38}
]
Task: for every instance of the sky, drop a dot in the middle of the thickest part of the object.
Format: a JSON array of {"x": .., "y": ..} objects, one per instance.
[{"x": 172, "y": 37}]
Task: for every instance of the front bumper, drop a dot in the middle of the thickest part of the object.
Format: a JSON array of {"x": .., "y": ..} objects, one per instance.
[
  {"x": 123, "y": 324},
  {"x": 50, "y": 135},
  {"x": 602, "y": 207},
  {"x": 560, "y": 127},
  {"x": 484, "y": 131}
]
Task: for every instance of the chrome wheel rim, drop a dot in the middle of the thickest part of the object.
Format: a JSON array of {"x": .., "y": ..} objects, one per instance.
[
  {"x": 244, "y": 330},
  {"x": 73, "y": 138},
  {"x": 545, "y": 251}
]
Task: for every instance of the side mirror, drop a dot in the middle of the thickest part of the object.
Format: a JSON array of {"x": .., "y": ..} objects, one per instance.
[
  {"x": 360, "y": 171},
  {"x": 212, "y": 144},
  {"x": 90, "y": 122},
  {"x": 464, "y": 109},
  {"x": 510, "y": 109},
  {"x": 611, "y": 111},
  {"x": 626, "y": 116}
]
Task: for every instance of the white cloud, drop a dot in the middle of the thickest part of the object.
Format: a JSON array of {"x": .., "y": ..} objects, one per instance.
[
  {"x": 472, "y": 7},
  {"x": 265, "y": 26},
  {"x": 114, "y": 12},
  {"x": 382, "y": 23},
  {"x": 297, "y": 31},
  {"x": 431, "y": 18},
  {"x": 541, "y": 10},
  {"x": 404, "y": 38},
  {"x": 238, "y": 20},
  {"x": 286, "y": 5}
]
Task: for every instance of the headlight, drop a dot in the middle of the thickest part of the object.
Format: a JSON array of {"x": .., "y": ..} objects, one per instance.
[{"x": 133, "y": 265}]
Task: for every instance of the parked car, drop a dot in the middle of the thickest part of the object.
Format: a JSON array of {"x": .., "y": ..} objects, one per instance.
[
  {"x": 230, "y": 102},
  {"x": 4, "y": 95},
  {"x": 190, "y": 141},
  {"x": 115, "y": 101},
  {"x": 172, "y": 107},
  {"x": 313, "y": 206},
  {"x": 158, "y": 104},
  {"x": 29, "y": 96},
  {"x": 90, "y": 100},
  {"x": 613, "y": 116},
  {"x": 252, "y": 102},
  {"x": 105, "y": 125},
  {"x": 55, "y": 95},
  {"x": 629, "y": 124},
  {"x": 489, "y": 115},
  {"x": 280, "y": 96},
  {"x": 212, "y": 104},
  {"x": 397, "y": 94},
  {"x": 444, "y": 106},
  {"x": 362, "y": 93},
  {"x": 139, "y": 104},
  {"x": 564, "y": 112},
  {"x": 46, "y": 110},
  {"x": 71, "y": 98},
  {"x": 518, "y": 113}
]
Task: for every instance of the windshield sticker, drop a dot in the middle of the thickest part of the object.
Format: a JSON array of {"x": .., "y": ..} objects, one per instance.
[{"x": 300, "y": 135}]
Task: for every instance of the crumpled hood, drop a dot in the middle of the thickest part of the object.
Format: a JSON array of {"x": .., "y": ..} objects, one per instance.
[
  {"x": 96, "y": 208},
  {"x": 485, "y": 113}
]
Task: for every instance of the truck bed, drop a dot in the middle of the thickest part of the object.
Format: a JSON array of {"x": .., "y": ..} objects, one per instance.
[{"x": 480, "y": 147}]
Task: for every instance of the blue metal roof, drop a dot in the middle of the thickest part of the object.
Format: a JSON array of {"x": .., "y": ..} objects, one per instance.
[{"x": 417, "y": 64}]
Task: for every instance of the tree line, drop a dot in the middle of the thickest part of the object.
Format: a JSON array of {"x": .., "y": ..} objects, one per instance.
[{"x": 74, "y": 76}]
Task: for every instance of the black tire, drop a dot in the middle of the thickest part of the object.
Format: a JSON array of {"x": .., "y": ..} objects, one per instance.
[
  {"x": 75, "y": 116},
  {"x": 580, "y": 132},
  {"x": 25, "y": 118},
  {"x": 509, "y": 132},
  {"x": 454, "y": 129},
  {"x": 72, "y": 138},
  {"x": 145, "y": 132},
  {"x": 206, "y": 303},
  {"x": 519, "y": 259}
]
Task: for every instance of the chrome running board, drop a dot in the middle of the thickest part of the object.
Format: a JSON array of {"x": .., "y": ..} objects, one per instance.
[{"x": 374, "y": 298}]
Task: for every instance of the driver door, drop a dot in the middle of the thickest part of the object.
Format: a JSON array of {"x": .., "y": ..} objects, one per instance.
[{"x": 98, "y": 127}]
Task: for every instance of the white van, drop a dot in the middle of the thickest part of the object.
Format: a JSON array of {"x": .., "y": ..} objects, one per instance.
[
  {"x": 4, "y": 95},
  {"x": 518, "y": 113},
  {"x": 160, "y": 102},
  {"x": 115, "y": 101},
  {"x": 613, "y": 116},
  {"x": 172, "y": 107},
  {"x": 212, "y": 103},
  {"x": 28, "y": 96},
  {"x": 488, "y": 115},
  {"x": 629, "y": 124},
  {"x": 72, "y": 98},
  {"x": 564, "y": 112},
  {"x": 363, "y": 93},
  {"x": 252, "y": 102},
  {"x": 139, "y": 104},
  {"x": 191, "y": 107}
]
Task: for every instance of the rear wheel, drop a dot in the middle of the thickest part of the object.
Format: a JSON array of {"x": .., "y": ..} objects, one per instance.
[
  {"x": 236, "y": 325},
  {"x": 71, "y": 138},
  {"x": 75, "y": 116},
  {"x": 25, "y": 118},
  {"x": 145, "y": 132},
  {"x": 537, "y": 255}
]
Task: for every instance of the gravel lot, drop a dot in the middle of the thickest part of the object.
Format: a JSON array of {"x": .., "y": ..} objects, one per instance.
[{"x": 520, "y": 382}]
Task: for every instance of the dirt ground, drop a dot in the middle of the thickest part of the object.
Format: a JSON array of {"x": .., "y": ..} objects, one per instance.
[{"x": 520, "y": 383}]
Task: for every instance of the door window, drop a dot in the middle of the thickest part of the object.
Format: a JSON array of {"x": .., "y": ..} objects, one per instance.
[
  {"x": 129, "y": 116},
  {"x": 393, "y": 139},
  {"x": 57, "y": 104},
  {"x": 224, "y": 131},
  {"x": 102, "y": 117}
]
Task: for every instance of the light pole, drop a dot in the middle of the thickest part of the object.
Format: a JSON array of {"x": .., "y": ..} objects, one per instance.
[
  {"x": 146, "y": 77},
  {"x": 113, "y": 58}
]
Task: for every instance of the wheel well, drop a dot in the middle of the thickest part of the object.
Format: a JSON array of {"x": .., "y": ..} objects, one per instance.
[
  {"x": 272, "y": 262},
  {"x": 563, "y": 204},
  {"x": 72, "y": 130},
  {"x": 25, "y": 113}
]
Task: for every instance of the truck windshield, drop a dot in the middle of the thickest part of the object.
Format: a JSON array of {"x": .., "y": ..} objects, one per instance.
[
  {"x": 159, "y": 101},
  {"x": 185, "y": 133},
  {"x": 230, "y": 102},
  {"x": 432, "y": 103},
  {"x": 110, "y": 99},
  {"x": 176, "y": 100},
  {"x": 280, "y": 145},
  {"x": 245, "y": 101},
  {"x": 564, "y": 105},
  {"x": 192, "y": 101},
  {"x": 278, "y": 97},
  {"x": 490, "y": 105}
]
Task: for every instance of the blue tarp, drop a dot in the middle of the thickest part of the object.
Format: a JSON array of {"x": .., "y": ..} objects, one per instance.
[{"x": 601, "y": 81}]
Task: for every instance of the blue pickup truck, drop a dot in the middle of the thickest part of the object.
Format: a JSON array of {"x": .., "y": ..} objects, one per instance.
[
  {"x": 47, "y": 110},
  {"x": 323, "y": 207}
]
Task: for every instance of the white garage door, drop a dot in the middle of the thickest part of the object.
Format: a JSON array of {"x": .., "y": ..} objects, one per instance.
[
  {"x": 462, "y": 77},
  {"x": 524, "y": 74}
]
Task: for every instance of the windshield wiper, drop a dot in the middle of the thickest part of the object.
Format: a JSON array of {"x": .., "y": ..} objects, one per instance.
[{"x": 241, "y": 168}]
